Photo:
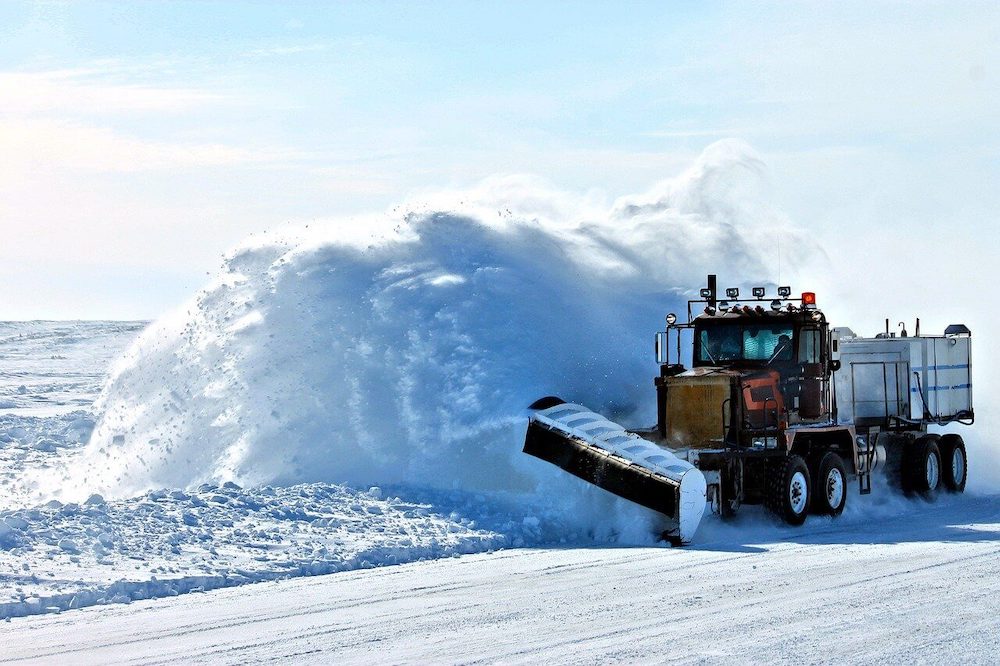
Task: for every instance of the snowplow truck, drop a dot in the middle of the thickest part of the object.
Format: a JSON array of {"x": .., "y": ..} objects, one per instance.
[{"x": 778, "y": 408}]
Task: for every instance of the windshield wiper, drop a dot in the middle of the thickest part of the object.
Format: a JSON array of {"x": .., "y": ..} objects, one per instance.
[
  {"x": 778, "y": 350},
  {"x": 705, "y": 348}
]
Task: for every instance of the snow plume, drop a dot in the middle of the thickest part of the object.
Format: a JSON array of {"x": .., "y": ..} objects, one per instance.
[{"x": 407, "y": 353}]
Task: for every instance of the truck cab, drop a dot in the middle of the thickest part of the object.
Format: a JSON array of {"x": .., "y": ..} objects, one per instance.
[
  {"x": 787, "y": 348},
  {"x": 754, "y": 372}
]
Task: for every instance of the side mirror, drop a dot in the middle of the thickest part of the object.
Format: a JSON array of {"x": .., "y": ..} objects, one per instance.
[{"x": 834, "y": 366}]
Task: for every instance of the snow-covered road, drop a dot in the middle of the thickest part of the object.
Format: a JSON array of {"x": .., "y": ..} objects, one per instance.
[{"x": 920, "y": 586}]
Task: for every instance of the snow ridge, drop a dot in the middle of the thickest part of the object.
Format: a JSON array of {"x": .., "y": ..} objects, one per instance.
[{"x": 165, "y": 543}]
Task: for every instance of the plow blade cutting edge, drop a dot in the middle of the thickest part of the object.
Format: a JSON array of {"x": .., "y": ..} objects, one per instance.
[{"x": 603, "y": 453}]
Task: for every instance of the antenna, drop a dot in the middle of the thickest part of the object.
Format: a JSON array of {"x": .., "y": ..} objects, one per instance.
[{"x": 779, "y": 258}]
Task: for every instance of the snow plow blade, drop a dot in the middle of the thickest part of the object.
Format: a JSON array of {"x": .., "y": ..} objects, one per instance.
[{"x": 603, "y": 453}]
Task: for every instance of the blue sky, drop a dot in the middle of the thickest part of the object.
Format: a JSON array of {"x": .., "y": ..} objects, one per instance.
[{"x": 141, "y": 140}]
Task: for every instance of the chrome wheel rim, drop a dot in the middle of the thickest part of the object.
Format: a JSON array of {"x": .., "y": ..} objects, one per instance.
[
  {"x": 798, "y": 492},
  {"x": 933, "y": 471},
  {"x": 834, "y": 488},
  {"x": 958, "y": 466}
]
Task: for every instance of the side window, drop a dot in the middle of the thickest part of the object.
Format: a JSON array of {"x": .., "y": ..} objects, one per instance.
[{"x": 809, "y": 346}]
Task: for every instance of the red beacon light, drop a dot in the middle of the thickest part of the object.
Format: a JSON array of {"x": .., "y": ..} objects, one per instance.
[{"x": 809, "y": 300}]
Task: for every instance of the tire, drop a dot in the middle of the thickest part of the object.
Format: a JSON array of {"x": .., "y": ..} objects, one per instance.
[
  {"x": 954, "y": 463},
  {"x": 829, "y": 495},
  {"x": 788, "y": 489},
  {"x": 922, "y": 467}
]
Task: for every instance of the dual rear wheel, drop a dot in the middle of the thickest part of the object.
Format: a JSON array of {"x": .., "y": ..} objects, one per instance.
[
  {"x": 831, "y": 485},
  {"x": 935, "y": 462},
  {"x": 793, "y": 489}
]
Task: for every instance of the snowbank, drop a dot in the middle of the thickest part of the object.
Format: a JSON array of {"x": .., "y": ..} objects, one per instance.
[
  {"x": 404, "y": 349},
  {"x": 164, "y": 543},
  {"x": 31, "y": 446}
]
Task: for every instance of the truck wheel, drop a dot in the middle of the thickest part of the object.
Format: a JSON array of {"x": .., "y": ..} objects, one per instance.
[
  {"x": 922, "y": 466},
  {"x": 830, "y": 485},
  {"x": 954, "y": 463},
  {"x": 788, "y": 489}
]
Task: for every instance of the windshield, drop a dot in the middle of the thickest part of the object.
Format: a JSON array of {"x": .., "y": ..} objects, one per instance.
[{"x": 745, "y": 342}]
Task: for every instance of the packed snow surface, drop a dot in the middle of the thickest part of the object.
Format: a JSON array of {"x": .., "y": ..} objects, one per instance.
[{"x": 920, "y": 586}]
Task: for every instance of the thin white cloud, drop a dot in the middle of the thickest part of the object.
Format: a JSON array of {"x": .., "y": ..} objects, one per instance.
[
  {"x": 64, "y": 119},
  {"x": 83, "y": 91},
  {"x": 39, "y": 145}
]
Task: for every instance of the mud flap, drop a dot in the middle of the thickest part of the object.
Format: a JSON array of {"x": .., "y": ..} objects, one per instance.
[{"x": 603, "y": 453}]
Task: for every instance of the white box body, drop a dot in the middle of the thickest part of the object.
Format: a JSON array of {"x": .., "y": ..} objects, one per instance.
[{"x": 924, "y": 379}]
